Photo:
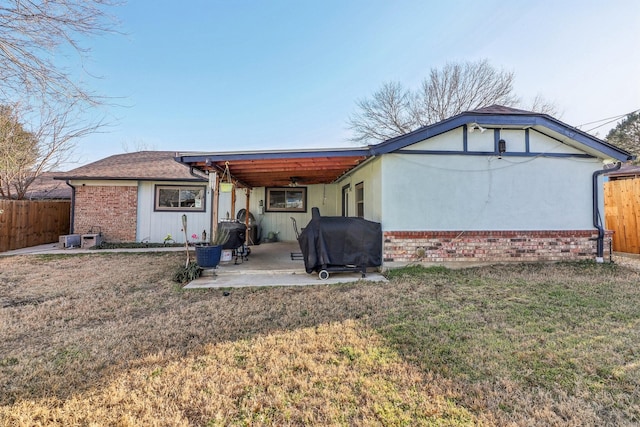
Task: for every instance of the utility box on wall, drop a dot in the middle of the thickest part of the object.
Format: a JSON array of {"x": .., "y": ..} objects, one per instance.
[
  {"x": 91, "y": 240},
  {"x": 69, "y": 241}
]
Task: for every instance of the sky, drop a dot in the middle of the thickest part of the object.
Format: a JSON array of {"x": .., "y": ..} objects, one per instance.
[{"x": 209, "y": 75}]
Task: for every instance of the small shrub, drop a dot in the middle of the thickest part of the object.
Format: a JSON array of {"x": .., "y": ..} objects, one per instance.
[{"x": 187, "y": 274}]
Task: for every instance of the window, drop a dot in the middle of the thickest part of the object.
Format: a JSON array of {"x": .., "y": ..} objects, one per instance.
[
  {"x": 178, "y": 198},
  {"x": 286, "y": 199},
  {"x": 360, "y": 200}
]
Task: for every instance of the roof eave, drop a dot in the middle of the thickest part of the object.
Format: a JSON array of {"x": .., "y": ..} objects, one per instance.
[
  {"x": 266, "y": 155},
  {"x": 523, "y": 120},
  {"x": 132, "y": 178}
]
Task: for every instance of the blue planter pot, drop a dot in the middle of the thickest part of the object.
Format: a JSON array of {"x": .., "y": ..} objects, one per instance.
[{"x": 208, "y": 256}]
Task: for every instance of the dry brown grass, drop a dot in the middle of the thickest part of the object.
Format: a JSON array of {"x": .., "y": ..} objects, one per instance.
[{"x": 108, "y": 339}]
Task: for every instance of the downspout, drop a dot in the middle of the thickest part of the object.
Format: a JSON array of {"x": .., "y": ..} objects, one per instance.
[
  {"x": 597, "y": 218},
  {"x": 73, "y": 206}
]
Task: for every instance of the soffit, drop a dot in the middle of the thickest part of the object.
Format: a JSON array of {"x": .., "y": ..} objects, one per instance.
[{"x": 279, "y": 172}]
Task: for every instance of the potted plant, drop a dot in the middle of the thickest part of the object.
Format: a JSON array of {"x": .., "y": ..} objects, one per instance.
[{"x": 208, "y": 254}]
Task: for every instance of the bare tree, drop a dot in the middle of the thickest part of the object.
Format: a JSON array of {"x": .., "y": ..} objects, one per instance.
[
  {"x": 18, "y": 153},
  {"x": 539, "y": 104},
  {"x": 33, "y": 32},
  {"x": 394, "y": 111},
  {"x": 137, "y": 145},
  {"x": 387, "y": 114},
  {"x": 43, "y": 145},
  {"x": 41, "y": 96},
  {"x": 462, "y": 87}
]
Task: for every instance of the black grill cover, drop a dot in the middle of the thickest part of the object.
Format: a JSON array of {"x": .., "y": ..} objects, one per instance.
[
  {"x": 336, "y": 241},
  {"x": 237, "y": 233}
]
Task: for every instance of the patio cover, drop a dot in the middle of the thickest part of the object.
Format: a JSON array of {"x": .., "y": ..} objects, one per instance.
[{"x": 279, "y": 168}]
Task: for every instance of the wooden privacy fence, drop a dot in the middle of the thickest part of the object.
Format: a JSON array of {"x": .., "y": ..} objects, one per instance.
[
  {"x": 622, "y": 213},
  {"x": 25, "y": 223}
]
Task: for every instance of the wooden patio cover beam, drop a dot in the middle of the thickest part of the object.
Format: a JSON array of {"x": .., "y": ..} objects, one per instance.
[{"x": 280, "y": 172}]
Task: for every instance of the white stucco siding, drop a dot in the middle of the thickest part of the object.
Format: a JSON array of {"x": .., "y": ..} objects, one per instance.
[
  {"x": 370, "y": 176},
  {"x": 462, "y": 192},
  {"x": 154, "y": 226},
  {"x": 450, "y": 141},
  {"x": 478, "y": 141},
  {"x": 515, "y": 140},
  {"x": 539, "y": 143}
]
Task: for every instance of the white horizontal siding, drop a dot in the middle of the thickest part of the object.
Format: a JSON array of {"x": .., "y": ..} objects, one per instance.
[{"x": 155, "y": 226}]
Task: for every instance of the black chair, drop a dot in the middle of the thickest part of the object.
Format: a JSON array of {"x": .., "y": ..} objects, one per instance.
[
  {"x": 296, "y": 256},
  {"x": 295, "y": 227}
]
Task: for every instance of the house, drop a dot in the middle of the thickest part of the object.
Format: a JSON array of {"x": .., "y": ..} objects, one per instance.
[
  {"x": 626, "y": 171},
  {"x": 491, "y": 185},
  {"x": 45, "y": 187},
  {"x": 494, "y": 184},
  {"x": 138, "y": 197}
]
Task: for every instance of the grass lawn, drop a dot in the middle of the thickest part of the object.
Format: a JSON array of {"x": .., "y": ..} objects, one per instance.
[{"x": 108, "y": 339}]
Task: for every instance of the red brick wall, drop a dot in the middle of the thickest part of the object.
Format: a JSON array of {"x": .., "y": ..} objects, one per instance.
[
  {"x": 112, "y": 208},
  {"x": 490, "y": 246}
]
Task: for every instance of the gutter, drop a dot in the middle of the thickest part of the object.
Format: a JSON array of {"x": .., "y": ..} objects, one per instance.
[
  {"x": 597, "y": 218},
  {"x": 73, "y": 206},
  {"x": 192, "y": 172}
]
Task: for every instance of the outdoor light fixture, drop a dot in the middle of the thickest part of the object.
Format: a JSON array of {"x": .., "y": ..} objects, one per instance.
[
  {"x": 475, "y": 126},
  {"x": 502, "y": 147}
]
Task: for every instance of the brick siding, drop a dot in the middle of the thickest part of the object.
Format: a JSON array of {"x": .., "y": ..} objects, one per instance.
[
  {"x": 491, "y": 246},
  {"x": 111, "y": 208}
]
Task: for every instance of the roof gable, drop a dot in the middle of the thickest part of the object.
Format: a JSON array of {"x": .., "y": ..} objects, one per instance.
[
  {"x": 509, "y": 118},
  {"x": 141, "y": 165}
]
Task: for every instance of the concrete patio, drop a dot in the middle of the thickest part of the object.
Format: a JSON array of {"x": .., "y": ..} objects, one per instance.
[{"x": 270, "y": 264}]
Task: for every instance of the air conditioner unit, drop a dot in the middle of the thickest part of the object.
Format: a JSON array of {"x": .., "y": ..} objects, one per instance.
[{"x": 69, "y": 241}]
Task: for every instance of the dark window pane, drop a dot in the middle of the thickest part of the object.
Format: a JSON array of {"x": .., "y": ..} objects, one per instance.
[
  {"x": 176, "y": 198},
  {"x": 168, "y": 198}
]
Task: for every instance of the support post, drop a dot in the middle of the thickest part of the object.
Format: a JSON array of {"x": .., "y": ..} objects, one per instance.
[
  {"x": 233, "y": 202},
  {"x": 215, "y": 204},
  {"x": 246, "y": 216}
]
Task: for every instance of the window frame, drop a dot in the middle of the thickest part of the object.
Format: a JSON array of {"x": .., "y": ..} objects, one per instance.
[
  {"x": 269, "y": 199},
  {"x": 359, "y": 202},
  {"x": 159, "y": 187}
]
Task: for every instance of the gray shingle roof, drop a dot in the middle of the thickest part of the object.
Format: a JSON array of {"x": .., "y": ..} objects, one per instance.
[
  {"x": 627, "y": 170},
  {"x": 500, "y": 109},
  {"x": 142, "y": 165},
  {"x": 44, "y": 187}
]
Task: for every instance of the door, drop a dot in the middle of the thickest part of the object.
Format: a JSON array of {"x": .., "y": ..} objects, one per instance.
[{"x": 345, "y": 200}]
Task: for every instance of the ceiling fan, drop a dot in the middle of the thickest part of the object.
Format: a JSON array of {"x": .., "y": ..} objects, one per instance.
[{"x": 294, "y": 181}]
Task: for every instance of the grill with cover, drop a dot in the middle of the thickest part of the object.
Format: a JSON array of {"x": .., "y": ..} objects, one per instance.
[
  {"x": 340, "y": 244},
  {"x": 237, "y": 235}
]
